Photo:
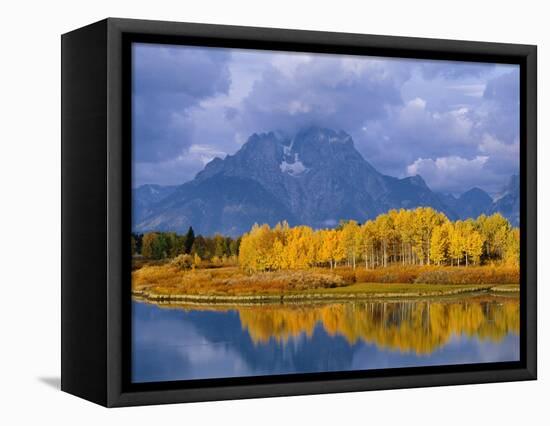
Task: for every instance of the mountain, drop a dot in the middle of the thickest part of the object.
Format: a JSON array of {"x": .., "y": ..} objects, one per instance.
[
  {"x": 316, "y": 178},
  {"x": 471, "y": 203},
  {"x": 507, "y": 202},
  {"x": 475, "y": 202},
  {"x": 450, "y": 201},
  {"x": 228, "y": 206},
  {"x": 146, "y": 196}
]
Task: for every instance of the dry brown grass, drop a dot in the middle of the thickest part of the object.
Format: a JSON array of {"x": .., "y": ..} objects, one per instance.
[
  {"x": 228, "y": 280},
  {"x": 474, "y": 275},
  {"x": 140, "y": 262},
  {"x": 166, "y": 279},
  {"x": 433, "y": 275}
]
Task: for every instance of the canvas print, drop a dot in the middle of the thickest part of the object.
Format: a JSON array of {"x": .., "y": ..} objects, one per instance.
[{"x": 306, "y": 213}]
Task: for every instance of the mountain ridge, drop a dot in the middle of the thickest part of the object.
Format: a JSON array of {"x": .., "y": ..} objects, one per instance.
[{"x": 316, "y": 178}]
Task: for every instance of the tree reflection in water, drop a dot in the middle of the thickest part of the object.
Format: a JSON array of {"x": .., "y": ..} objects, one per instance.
[
  {"x": 409, "y": 326},
  {"x": 183, "y": 342}
]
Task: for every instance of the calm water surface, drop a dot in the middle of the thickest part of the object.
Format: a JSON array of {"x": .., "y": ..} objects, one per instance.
[{"x": 180, "y": 343}]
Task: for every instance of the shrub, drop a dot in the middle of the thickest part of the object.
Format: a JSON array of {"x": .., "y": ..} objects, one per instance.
[
  {"x": 479, "y": 275},
  {"x": 347, "y": 274},
  {"x": 183, "y": 261},
  {"x": 393, "y": 274}
]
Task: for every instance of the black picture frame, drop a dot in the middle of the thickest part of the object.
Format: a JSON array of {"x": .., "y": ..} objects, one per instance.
[{"x": 96, "y": 208}]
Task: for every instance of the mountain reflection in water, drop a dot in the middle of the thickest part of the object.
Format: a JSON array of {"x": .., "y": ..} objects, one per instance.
[{"x": 178, "y": 342}]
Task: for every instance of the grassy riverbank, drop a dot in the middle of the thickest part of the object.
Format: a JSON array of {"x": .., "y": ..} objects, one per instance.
[
  {"x": 362, "y": 291},
  {"x": 232, "y": 285}
]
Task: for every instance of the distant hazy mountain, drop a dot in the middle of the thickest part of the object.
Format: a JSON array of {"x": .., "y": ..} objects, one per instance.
[
  {"x": 507, "y": 202},
  {"x": 471, "y": 203},
  {"x": 315, "y": 178},
  {"x": 146, "y": 196}
]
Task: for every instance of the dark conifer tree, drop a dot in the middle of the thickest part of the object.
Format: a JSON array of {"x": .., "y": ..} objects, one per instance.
[{"x": 189, "y": 240}]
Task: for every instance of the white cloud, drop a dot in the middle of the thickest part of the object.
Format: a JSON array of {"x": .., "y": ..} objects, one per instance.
[
  {"x": 288, "y": 63},
  {"x": 473, "y": 90},
  {"x": 416, "y": 121},
  {"x": 206, "y": 153},
  {"x": 178, "y": 169},
  {"x": 447, "y": 165},
  {"x": 450, "y": 173},
  {"x": 417, "y": 103},
  {"x": 298, "y": 107},
  {"x": 492, "y": 145}
]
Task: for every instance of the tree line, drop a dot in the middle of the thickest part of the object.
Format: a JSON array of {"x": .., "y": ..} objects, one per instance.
[
  {"x": 166, "y": 245},
  {"x": 421, "y": 236}
]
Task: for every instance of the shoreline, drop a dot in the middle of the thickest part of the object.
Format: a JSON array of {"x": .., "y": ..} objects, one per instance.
[{"x": 324, "y": 295}]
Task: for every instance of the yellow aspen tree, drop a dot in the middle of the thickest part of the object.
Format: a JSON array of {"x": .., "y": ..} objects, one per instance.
[
  {"x": 385, "y": 231},
  {"x": 406, "y": 234},
  {"x": 330, "y": 250},
  {"x": 455, "y": 242},
  {"x": 494, "y": 230},
  {"x": 256, "y": 251},
  {"x": 323, "y": 256},
  {"x": 439, "y": 244},
  {"x": 298, "y": 253},
  {"x": 417, "y": 227},
  {"x": 350, "y": 242},
  {"x": 246, "y": 252},
  {"x": 315, "y": 251},
  {"x": 511, "y": 254},
  {"x": 474, "y": 246},
  {"x": 367, "y": 236},
  {"x": 278, "y": 260}
]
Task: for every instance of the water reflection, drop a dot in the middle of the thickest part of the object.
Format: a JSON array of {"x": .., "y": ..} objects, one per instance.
[
  {"x": 175, "y": 343},
  {"x": 420, "y": 326}
]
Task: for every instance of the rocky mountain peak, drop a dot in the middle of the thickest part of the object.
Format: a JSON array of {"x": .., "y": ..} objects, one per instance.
[
  {"x": 510, "y": 189},
  {"x": 315, "y": 177},
  {"x": 415, "y": 180},
  {"x": 477, "y": 195}
]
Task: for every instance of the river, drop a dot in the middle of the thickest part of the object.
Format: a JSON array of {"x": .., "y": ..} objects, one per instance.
[{"x": 181, "y": 343}]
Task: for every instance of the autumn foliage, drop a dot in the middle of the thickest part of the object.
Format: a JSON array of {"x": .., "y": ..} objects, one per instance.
[
  {"x": 419, "y": 237},
  {"x": 433, "y": 274},
  {"x": 415, "y": 247}
]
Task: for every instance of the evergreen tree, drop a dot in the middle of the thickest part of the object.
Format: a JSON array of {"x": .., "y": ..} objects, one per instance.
[{"x": 189, "y": 240}]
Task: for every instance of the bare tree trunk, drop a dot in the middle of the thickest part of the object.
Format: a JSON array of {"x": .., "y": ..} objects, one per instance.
[
  {"x": 429, "y": 248},
  {"x": 372, "y": 256}
]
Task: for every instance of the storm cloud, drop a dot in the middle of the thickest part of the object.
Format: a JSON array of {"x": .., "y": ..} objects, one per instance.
[
  {"x": 167, "y": 82},
  {"x": 454, "y": 123}
]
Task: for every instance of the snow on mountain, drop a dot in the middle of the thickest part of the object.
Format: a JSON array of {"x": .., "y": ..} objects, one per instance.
[{"x": 316, "y": 178}]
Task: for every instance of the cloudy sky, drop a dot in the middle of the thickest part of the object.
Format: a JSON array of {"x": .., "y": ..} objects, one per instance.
[{"x": 454, "y": 123}]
